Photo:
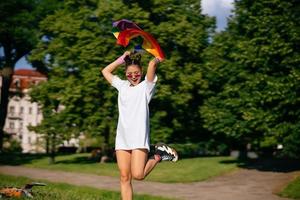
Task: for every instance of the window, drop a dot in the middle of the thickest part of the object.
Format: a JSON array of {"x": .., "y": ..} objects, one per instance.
[
  {"x": 21, "y": 110},
  {"x": 11, "y": 109},
  {"x": 17, "y": 83},
  {"x": 30, "y": 110},
  {"x": 11, "y": 125},
  {"x": 29, "y": 140}
]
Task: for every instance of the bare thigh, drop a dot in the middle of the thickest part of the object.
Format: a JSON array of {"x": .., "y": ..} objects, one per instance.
[
  {"x": 124, "y": 162},
  {"x": 139, "y": 159}
]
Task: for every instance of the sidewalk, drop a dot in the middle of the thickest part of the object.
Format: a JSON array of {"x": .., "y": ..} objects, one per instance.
[{"x": 243, "y": 184}]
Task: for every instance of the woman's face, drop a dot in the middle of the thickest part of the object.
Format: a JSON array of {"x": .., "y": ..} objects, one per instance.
[{"x": 133, "y": 74}]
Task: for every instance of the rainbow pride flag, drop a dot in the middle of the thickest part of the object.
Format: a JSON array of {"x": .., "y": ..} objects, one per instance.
[{"x": 125, "y": 30}]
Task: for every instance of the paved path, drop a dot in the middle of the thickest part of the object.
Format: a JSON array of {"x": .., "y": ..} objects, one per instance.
[{"x": 244, "y": 184}]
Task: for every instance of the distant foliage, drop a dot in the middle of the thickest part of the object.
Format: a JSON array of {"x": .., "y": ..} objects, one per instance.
[
  {"x": 12, "y": 145},
  {"x": 77, "y": 42},
  {"x": 254, "y": 78},
  {"x": 238, "y": 88}
]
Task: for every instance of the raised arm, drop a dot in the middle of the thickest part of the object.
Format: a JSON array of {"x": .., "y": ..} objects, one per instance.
[
  {"x": 151, "y": 69},
  {"x": 107, "y": 71}
]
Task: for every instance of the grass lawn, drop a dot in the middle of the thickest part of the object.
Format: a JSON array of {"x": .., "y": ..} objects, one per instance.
[
  {"x": 185, "y": 170},
  {"x": 292, "y": 190},
  {"x": 59, "y": 191}
]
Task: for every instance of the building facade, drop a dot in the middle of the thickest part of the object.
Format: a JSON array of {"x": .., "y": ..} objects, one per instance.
[{"x": 22, "y": 112}]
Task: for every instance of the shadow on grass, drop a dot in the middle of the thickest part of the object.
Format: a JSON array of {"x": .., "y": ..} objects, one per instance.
[
  {"x": 19, "y": 158},
  {"x": 77, "y": 160},
  {"x": 267, "y": 164}
]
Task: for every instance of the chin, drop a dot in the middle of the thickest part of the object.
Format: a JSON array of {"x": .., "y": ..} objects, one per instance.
[{"x": 134, "y": 83}]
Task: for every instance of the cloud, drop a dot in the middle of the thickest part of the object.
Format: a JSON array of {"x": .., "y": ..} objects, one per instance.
[
  {"x": 221, "y": 9},
  {"x": 227, "y": 4}
]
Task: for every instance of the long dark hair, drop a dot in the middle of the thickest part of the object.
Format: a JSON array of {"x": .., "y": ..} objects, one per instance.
[{"x": 133, "y": 59}]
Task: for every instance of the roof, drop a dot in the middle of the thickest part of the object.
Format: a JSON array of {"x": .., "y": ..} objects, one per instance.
[
  {"x": 28, "y": 72},
  {"x": 25, "y": 78}
]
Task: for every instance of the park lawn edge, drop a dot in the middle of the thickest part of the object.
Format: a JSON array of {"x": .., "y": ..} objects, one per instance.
[
  {"x": 57, "y": 185},
  {"x": 292, "y": 189},
  {"x": 196, "y": 169}
]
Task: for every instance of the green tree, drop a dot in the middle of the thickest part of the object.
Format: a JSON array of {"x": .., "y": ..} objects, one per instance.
[
  {"x": 184, "y": 34},
  {"x": 78, "y": 41},
  {"x": 75, "y": 42},
  {"x": 56, "y": 125},
  {"x": 253, "y": 74},
  {"x": 18, "y": 36}
]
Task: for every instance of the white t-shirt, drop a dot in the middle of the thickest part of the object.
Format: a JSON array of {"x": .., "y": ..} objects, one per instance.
[{"x": 133, "y": 123}]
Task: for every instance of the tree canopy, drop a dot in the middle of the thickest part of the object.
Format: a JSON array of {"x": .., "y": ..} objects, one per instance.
[
  {"x": 236, "y": 87},
  {"x": 18, "y": 36},
  {"x": 253, "y": 75},
  {"x": 77, "y": 43}
]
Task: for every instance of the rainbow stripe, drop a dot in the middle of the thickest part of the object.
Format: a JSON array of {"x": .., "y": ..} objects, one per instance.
[{"x": 125, "y": 30}]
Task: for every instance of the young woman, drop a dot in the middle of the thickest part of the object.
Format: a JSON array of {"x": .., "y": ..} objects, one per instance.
[{"x": 132, "y": 140}]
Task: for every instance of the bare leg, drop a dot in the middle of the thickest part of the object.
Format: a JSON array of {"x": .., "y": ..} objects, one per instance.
[
  {"x": 140, "y": 165},
  {"x": 124, "y": 164},
  {"x": 151, "y": 163}
]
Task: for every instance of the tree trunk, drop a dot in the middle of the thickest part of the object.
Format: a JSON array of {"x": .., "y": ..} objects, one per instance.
[
  {"x": 7, "y": 73},
  {"x": 106, "y": 150},
  {"x": 52, "y": 150},
  {"x": 47, "y": 145},
  {"x": 106, "y": 135},
  {"x": 106, "y": 145}
]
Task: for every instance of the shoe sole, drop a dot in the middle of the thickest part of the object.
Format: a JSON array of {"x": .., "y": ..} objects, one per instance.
[
  {"x": 176, "y": 155},
  {"x": 173, "y": 151}
]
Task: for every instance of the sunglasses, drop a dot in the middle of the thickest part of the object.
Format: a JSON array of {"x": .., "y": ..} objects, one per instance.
[{"x": 133, "y": 75}]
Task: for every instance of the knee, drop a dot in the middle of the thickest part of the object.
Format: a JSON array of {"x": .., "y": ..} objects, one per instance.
[
  {"x": 138, "y": 176},
  {"x": 125, "y": 178}
]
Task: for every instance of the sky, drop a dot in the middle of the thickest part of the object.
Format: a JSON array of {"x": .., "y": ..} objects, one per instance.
[
  {"x": 221, "y": 9},
  {"x": 23, "y": 64}
]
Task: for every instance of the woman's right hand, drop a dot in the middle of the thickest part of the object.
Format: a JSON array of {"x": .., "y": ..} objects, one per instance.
[
  {"x": 121, "y": 59},
  {"x": 126, "y": 53}
]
